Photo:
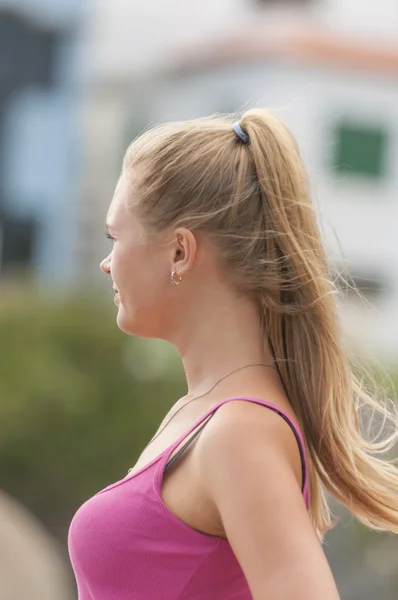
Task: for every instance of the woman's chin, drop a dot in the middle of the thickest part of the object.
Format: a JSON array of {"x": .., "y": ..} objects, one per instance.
[
  {"x": 135, "y": 325},
  {"x": 124, "y": 322},
  {"x": 121, "y": 319}
]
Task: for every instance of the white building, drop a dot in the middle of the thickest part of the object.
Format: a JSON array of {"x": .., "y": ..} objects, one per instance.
[{"x": 337, "y": 92}]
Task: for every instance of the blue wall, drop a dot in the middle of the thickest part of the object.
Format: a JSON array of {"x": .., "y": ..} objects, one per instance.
[{"x": 39, "y": 141}]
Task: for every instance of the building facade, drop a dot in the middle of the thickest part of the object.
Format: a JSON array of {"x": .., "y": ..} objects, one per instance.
[{"x": 38, "y": 138}]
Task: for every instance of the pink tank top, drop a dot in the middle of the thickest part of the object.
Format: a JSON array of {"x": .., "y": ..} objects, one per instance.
[{"x": 125, "y": 544}]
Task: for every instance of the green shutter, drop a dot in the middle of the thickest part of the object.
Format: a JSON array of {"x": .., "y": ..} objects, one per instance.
[{"x": 360, "y": 150}]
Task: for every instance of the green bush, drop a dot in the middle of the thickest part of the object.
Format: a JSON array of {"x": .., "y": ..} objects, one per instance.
[{"x": 78, "y": 400}]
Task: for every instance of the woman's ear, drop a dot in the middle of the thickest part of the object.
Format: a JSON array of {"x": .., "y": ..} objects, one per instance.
[{"x": 184, "y": 247}]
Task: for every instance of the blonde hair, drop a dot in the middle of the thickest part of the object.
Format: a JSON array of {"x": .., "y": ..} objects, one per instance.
[{"x": 254, "y": 200}]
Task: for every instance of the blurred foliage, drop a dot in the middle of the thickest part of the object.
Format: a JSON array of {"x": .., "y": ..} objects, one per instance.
[{"x": 78, "y": 400}]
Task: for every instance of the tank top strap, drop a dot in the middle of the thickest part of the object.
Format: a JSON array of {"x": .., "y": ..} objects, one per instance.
[
  {"x": 199, "y": 425},
  {"x": 181, "y": 451}
]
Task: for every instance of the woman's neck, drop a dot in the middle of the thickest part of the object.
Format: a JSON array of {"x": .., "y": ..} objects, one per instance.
[{"x": 219, "y": 338}]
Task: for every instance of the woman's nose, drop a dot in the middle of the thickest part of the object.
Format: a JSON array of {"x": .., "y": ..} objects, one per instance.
[{"x": 105, "y": 265}]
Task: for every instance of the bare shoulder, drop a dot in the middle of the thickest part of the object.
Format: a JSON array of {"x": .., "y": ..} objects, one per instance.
[
  {"x": 241, "y": 429},
  {"x": 250, "y": 470}
]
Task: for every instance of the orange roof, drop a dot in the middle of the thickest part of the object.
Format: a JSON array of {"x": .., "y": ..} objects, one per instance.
[{"x": 303, "y": 46}]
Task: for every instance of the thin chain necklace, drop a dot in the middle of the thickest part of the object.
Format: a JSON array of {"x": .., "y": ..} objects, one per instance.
[{"x": 208, "y": 392}]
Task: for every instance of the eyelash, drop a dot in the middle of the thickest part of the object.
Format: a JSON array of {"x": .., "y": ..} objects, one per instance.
[{"x": 108, "y": 235}]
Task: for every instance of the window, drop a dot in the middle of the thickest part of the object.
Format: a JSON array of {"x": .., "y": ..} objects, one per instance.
[
  {"x": 360, "y": 150},
  {"x": 17, "y": 238},
  {"x": 279, "y": 2},
  {"x": 372, "y": 285}
]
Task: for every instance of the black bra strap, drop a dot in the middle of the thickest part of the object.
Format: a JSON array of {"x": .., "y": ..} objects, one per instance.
[
  {"x": 185, "y": 446},
  {"x": 301, "y": 449}
]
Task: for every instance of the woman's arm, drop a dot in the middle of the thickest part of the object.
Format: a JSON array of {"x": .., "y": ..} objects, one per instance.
[{"x": 250, "y": 469}]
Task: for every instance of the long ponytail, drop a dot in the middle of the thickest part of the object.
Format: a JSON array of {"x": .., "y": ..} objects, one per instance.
[{"x": 300, "y": 317}]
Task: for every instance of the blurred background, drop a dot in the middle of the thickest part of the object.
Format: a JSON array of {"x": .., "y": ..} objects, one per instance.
[{"x": 78, "y": 80}]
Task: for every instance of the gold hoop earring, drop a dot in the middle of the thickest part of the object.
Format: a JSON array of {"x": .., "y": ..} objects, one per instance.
[{"x": 173, "y": 279}]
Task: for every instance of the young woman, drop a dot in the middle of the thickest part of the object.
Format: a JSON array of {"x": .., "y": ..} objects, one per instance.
[{"x": 215, "y": 248}]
